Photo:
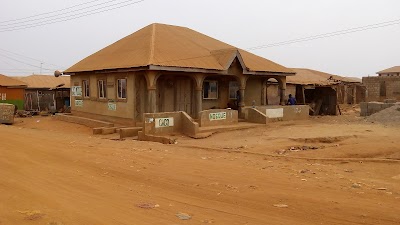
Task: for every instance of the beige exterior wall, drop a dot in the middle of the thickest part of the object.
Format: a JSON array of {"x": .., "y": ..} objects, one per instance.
[
  {"x": 94, "y": 105},
  {"x": 174, "y": 91},
  {"x": 254, "y": 91},
  {"x": 273, "y": 94}
]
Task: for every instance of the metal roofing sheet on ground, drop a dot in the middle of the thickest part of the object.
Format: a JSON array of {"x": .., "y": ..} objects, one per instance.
[{"x": 169, "y": 46}]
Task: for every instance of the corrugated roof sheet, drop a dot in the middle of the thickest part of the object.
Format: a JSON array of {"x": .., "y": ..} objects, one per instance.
[
  {"x": 314, "y": 77},
  {"x": 394, "y": 69},
  {"x": 171, "y": 46},
  {"x": 46, "y": 81},
  {"x": 6, "y": 81}
]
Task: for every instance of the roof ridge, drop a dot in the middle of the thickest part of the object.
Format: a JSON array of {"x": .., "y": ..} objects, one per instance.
[{"x": 152, "y": 40}]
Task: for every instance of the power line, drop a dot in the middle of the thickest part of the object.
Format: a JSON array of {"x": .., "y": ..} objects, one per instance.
[
  {"x": 51, "y": 16},
  {"x": 314, "y": 37},
  {"x": 25, "y": 63},
  {"x": 330, "y": 34},
  {"x": 60, "y": 10},
  {"x": 74, "y": 16},
  {"x": 27, "y": 57}
]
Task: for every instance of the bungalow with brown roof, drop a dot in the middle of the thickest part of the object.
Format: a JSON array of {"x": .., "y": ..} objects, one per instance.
[
  {"x": 12, "y": 91},
  {"x": 46, "y": 92},
  {"x": 384, "y": 86},
  {"x": 164, "y": 68}
]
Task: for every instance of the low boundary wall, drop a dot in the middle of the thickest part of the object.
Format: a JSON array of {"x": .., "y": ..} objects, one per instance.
[
  {"x": 253, "y": 115},
  {"x": 283, "y": 113},
  {"x": 217, "y": 117},
  {"x": 83, "y": 121},
  {"x": 169, "y": 123}
]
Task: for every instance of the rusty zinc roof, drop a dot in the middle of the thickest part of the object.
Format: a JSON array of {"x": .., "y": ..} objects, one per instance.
[
  {"x": 394, "y": 69},
  {"x": 172, "y": 46},
  {"x": 314, "y": 77},
  {"x": 46, "y": 81},
  {"x": 6, "y": 81}
]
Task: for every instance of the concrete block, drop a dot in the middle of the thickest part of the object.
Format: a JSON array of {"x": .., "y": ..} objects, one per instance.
[
  {"x": 146, "y": 137},
  {"x": 7, "y": 113},
  {"x": 98, "y": 130},
  {"x": 129, "y": 132},
  {"x": 108, "y": 130}
]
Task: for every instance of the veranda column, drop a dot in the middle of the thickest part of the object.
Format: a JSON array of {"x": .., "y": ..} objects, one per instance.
[
  {"x": 151, "y": 78},
  {"x": 242, "y": 88},
  {"x": 151, "y": 99},
  {"x": 199, "y": 101},
  {"x": 282, "y": 85},
  {"x": 199, "y": 78}
]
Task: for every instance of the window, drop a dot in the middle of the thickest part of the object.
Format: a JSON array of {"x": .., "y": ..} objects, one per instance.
[
  {"x": 101, "y": 87},
  {"x": 233, "y": 89},
  {"x": 210, "y": 89},
  {"x": 3, "y": 96},
  {"x": 121, "y": 88},
  {"x": 86, "y": 91}
]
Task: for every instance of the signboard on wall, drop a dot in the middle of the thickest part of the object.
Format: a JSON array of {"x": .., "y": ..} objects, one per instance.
[
  {"x": 217, "y": 116},
  {"x": 164, "y": 122},
  {"x": 78, "y": 103},
  {"x": 76, "y": 91},
  {"x": 112, "y": 106},
  {"x": 274, "y": 113}
]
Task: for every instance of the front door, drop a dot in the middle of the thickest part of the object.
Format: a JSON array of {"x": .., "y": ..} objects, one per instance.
[{"x": 184, "y": 95}]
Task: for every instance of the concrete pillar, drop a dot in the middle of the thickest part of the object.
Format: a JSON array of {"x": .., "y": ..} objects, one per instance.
[
  {"x": 199, "y": 79},
  {"x": 151, "y": 79},
  {"x": 282, "y": 85},
  {"x": 242, "y": 88},
  {"x": 354, "y": 94},
  {"x": 152, "y": 100},
  {"x": 199, "y": 102},
  {"x": 283, "y": 96},
  {"x": 345, "y": 101}
]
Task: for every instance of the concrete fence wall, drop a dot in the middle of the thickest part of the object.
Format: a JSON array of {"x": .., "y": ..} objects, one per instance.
[
  {"x": 285, "y": 113},
  {"x": 169, "y": 123},
  {"x": 217, "y": 117},
  {"x": 83, "y": 121},
  {"x": 253, "y": 115}
]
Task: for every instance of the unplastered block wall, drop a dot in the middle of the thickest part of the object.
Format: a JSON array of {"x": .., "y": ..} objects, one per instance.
[
  {"x": 381, "y": 88},
  {"x": 217, "y": 117},
  {"x": 369, "y": 108},
  {"x": 111, "y": 105}
]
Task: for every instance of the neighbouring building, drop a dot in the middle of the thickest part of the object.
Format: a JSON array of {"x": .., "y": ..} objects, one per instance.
[
  {"x": 384, "y": 86},
  {"x": 46, "y": 92},
  {"x": 165, "y": 68},
  {"x": 322, "y": 91},
  {"x": 12, "y": 91}
]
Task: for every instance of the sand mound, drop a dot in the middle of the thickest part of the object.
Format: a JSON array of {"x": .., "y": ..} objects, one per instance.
[{"x": 389, "y": 116}]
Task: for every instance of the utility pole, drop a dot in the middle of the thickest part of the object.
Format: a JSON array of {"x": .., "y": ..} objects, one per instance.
[{"x": 41, "y": 64}]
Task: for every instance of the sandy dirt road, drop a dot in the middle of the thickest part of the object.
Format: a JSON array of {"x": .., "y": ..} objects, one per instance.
[{"x": 52, "y": 172}]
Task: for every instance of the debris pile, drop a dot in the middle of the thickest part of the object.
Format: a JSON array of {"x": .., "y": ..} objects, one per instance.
[{"x": 389, "y": 116}]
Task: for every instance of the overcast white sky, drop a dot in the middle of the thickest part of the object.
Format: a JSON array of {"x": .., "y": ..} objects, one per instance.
[{"x": 242, "y": 23}]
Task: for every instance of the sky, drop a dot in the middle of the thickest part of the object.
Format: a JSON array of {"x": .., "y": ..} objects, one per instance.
[{"x": 62, "y": 40}]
